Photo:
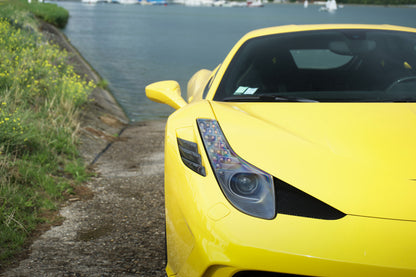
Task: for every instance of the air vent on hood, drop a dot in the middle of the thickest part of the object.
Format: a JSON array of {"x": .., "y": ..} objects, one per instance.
[{"x": 292, "y": 201}]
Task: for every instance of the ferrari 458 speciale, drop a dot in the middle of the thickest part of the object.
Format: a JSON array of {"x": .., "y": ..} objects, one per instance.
[{"x": 296, "y": 156}]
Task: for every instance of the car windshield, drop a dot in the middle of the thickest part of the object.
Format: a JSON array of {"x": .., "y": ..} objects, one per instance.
[{"x": 353, "y": 65}]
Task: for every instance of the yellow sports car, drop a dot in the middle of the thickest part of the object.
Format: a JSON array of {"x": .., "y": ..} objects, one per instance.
[{"x": 296, "y": 156}]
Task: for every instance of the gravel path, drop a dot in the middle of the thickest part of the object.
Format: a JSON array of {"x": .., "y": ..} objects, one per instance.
[{"x": 119, "y": 231}]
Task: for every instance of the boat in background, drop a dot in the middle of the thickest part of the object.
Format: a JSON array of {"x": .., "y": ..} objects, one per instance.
[
  {"x": 128, "y": 1},
  {"x": 93, "y": 1},
  {"x": 330, "y": 6},
  {"x": 254, "y": 4},
  {"x": 220, "y": 3}
]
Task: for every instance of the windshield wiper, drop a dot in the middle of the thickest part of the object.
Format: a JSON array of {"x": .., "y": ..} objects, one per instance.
[
  {"x": 265, "y": 98},
  {"x": 404, "y": 100}
]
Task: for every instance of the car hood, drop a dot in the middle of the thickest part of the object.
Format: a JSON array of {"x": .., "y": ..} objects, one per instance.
[{"x": 357, "y": 157}]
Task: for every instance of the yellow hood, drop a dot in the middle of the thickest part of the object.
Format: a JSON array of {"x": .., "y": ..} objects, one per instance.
[{"x": 357, "y": 157}]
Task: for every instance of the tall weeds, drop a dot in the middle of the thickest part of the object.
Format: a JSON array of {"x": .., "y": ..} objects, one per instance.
[{"x": 40, "y": 97}]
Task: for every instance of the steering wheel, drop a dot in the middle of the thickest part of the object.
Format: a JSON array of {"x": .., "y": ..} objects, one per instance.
[{"x": 401, "y": 81}]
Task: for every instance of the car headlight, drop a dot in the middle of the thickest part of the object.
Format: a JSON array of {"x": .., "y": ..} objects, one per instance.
[{"x": 248, "y": 188}]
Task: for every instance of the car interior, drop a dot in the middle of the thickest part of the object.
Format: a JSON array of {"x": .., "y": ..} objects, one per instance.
[{"x": 336, "y": 65}]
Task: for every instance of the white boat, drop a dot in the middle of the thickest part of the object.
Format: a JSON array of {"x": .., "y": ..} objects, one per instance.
[
  {"x": 305, "y": 4},
  {"x": 198, "y": 3},
  {"x": 145, "y": 3},
  {"x": 228, "y": 4},
  {"x": 330, "y": 6},
  {"x": 233, "y": 4},
  {"x": 254, "y": 4},
  {"x": 93, "y": 1},
  {"x": 128, "y": 1},
  {"x": 89, "y": 1},
  {"x": 219, "y": 3}
]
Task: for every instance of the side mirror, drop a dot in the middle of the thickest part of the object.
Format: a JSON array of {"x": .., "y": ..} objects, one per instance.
[{"x": 166, "y": 92}]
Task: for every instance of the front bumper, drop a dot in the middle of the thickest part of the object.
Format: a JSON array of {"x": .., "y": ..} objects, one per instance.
[
  {"x": 207, "y": 236},
  {"x": 352, "y": 246}
]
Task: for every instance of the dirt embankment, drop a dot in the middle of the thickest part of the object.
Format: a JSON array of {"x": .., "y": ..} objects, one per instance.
[{"x": 114, "y": 226}]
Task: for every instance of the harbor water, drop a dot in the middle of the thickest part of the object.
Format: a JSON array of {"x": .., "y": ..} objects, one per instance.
[{"x": 132, "y": 46}]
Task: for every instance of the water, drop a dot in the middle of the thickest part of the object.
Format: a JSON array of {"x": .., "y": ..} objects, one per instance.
[{"x": 132, "y": 46}]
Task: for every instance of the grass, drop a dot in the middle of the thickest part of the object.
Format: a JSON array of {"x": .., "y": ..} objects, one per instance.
[
  {"x": 40, "y": 99},
  {"x": 18, "y": 9},
  {"x": 50, "y": 13}
]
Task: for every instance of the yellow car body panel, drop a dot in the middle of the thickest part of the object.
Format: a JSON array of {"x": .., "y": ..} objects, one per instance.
[
  {"x": 197, "y": 84},
  {"x": 330, "y": 150},
  {"x": 359, "y": 158}
]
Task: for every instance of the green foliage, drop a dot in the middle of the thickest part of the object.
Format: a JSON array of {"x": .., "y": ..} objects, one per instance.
[
  {"x": 11, "y": 130},
  {"x": 77, "y": 171},
  {"x": 50, "y": 13},
  {"x": 21, "y": 11},
  {"x": 40, "y": 96},
  {"x": 103, "y": 83}
]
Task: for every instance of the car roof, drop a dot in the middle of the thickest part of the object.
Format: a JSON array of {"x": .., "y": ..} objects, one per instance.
[{"x": 314, "y": 27}]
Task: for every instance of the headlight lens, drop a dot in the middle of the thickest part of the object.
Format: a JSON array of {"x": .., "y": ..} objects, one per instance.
[{"x": 248, "y": 188}]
